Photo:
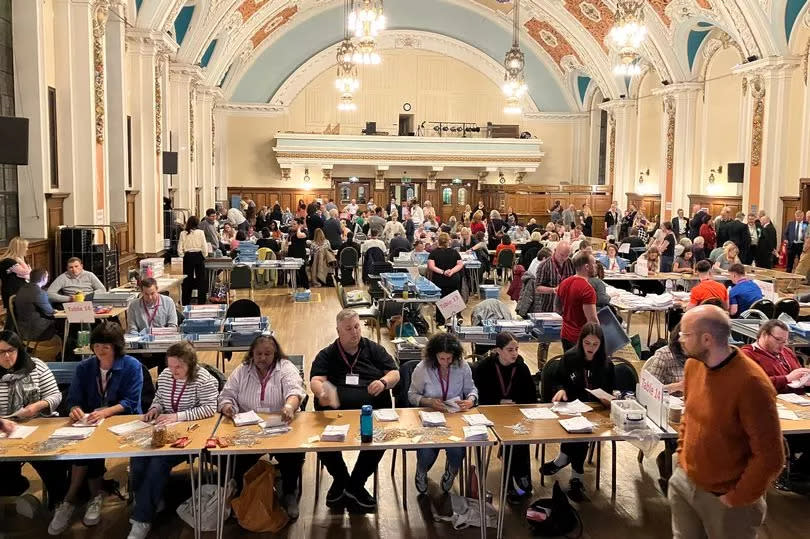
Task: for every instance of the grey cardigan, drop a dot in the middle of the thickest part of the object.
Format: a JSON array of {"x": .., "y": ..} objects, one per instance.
[{"x": 425, "y": 383}]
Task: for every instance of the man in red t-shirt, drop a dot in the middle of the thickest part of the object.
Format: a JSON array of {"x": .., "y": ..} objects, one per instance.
[
  {"x": 707, "y": 287},
  {"x": 577, "y": 299}
]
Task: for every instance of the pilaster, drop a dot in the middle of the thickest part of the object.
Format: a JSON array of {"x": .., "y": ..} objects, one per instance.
[
  {"x": 182, "y": 117},
  {"x": 621, "y": 147},
  {"x": 116, "y": 111}
]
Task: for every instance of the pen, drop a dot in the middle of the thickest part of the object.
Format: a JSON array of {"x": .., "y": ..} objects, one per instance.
[{"x": 193, "y": 427}]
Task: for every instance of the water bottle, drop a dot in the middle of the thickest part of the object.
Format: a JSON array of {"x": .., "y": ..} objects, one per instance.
[
  {"x": 669, "y": 286},
  {"x": 366, "y": 424}
]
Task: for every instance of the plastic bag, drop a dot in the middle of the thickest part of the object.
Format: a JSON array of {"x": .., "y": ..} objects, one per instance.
[
  {"x": 467, "y": 513},
  {"x": 257, "y": 508},
  {"x": 208, "y": 499}
]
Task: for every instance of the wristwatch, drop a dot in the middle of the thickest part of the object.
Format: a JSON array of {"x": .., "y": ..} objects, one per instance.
[{"x": 385, "y": 385}]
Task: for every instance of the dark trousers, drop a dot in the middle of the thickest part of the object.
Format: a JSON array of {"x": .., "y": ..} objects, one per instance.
[
  {"x": 289, "y": 466},
  {"x": 53, "y": 474},
  {"x": 794, "y": 252},
  {"x": 194, "y": 270},
  {"x": 666, "y": 263},
  {"x": 302, "y": 279},
  {"x": 521, "y": 462},
  {"x": 149, "y": 478},
  {"x": 366, "y": 464},
  {"x": 749, "y": 255},
  {"x": 576, "y": 452}
]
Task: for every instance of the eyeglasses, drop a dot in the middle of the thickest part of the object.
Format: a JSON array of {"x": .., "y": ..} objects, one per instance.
[
  {"x": 771, "y": 335},
  {"x": 6, "y": 352}
]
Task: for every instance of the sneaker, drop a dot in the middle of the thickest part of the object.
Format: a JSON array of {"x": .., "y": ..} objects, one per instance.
[
  {"x": 576, "y": 490},
  {"x": 335, "y": 495},
  {"x": 290, "y": 503},
  {"x": 27, "y": 506},
  {"x": 139, "y": 530},
  {"x": 550, "y": 468},
  {"x": 421, "y": 480},
  {"x": 92, "y": 515},
  {"x": 514, "y": 498},
  {"x": 61, "y": 518},
  {"x": 448, "y": 478},
  {"x": 361, "y": 498}
]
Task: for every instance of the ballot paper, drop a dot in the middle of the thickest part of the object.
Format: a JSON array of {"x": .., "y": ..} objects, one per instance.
[
  {"x": 84, "y": 423},
  {"x": 334, "y": 433},
  {"x": 600, "y": 394},
  {"x": 272, "y": 420},
  {"x": 538, "y": 413},
  {"x": 803, "y": 381},
  {"x": 73, "y": 433},
  {"x": 246, "y": 418},
  {"x": 331, "y": 393},
  {"x": 477, "y": 420},
  {"x": 19, "y": 433},
  {"x": 784, "y": 413},
  {"x": 794, "y": 399},
  {"x": 475, "y": 432},
  {"x": 276, "y": 429},
  {"x": 452, "y": 404},
  {"x": 577, "y": 424},
  {"x": 432, "y": 419},
  {"x": 386, "y": 414},
  {"x": 126, "y": 428},
  {"x": 571, "y": 408}
]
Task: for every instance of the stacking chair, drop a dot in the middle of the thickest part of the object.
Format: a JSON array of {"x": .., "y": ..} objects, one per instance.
[
  {"x": 21, "y": 331},
  {"x": 368, "y": 313},
  {"x": 241, "y": 279},
  {"x": 349, "y": 258},
  {"x": 401, "y": 401},
  {"x": 506, "y": 261},
  {"x": 788, "y": 306},
  {"x": 237, "y": 309},
  {"x": 766, "y": 306}
]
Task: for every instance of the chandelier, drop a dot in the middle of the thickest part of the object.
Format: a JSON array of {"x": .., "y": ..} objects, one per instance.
[
  {"x": 514, "y": 86},
  {"x": 629, "y": 64},
  {"x": 365, "y": 52},
  {"x": 628, "y": 31},
  {"x": 346, "y": 103},
  {"x": 366, "y": 18},
  {"x": 346, "y": 81}
]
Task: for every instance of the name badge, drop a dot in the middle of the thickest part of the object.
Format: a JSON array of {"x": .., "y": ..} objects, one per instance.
[
  {"x": 352, "y": 380},
  {"x": 507, "y": 401}
]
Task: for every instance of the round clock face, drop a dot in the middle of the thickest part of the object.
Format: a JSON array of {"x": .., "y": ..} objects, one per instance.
[{"x": 406, "y": 107}]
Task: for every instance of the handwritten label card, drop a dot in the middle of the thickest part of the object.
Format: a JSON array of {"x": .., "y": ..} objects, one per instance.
[
  {"x": 651, "y": 395},
  {"x": 78, "y": 312},
  {"x": 451, "y": 304}
]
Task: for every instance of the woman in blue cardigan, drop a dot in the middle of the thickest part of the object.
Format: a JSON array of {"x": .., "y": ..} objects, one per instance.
[{"x": 106, "y": 384}]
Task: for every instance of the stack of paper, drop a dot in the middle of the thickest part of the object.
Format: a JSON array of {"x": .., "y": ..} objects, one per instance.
[
  {"x": 386, "y": 414},
  {"x": 432, "y": 419},
  {"x": 20, "y": 432},
  {"x": 475, "y": 433},
  {"x": 246, "y": 418},
  {"x": 126, "y": 428},
  {"x": 577, "y": 424},
  {"x": 600, "y": 394},
  {"x": 571, "y": 408},
  {"x": 803, "y": 381},
  {"x": 84, "y": 423},
  {"x": 335, "y": 433},
  {"x": 784, "y": 413},
  {"x": 272, "y": 420},
  {"x": 794, "y": 399},
  {"x": 477, "y": 420},
  {"x": 538, "y": 413},
  {"x": 276, "y": 429},
  {"x": 73, "y": 433},
  {"x": 452, "y": 404}
]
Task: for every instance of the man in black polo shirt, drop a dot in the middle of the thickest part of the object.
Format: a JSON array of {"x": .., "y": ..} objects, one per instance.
[{"x": 363, "y": 372}]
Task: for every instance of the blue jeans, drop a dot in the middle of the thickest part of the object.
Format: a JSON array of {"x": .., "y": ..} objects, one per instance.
[
  {"x": 426, "y": 457},
  {"x": 149, "y": 478}
]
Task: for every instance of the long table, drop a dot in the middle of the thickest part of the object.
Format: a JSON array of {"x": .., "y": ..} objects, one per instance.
[{"x": 307, "y": 426}]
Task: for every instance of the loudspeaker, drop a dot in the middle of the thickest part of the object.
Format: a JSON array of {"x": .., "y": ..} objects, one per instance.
[
  {"x": 169, "y": 162},
  {"x": 736, "y": 172},
  {"x": 13, "y": 140}
]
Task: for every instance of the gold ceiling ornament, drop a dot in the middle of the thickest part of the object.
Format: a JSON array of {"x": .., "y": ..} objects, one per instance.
[
  {"x": 158, "y": 104},
  {"x": 758, "y": 93},
  {"x": 191, "y": 142},
  {"x": 346, "y": 81},
  {"x": 365, "y": 21},
  {"x": 612, "y": 158}
]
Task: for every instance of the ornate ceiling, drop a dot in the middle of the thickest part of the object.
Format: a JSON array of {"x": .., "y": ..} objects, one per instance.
[{"x": 242, "y": 43}]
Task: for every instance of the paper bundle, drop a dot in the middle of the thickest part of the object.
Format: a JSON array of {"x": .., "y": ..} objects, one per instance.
[{"x": 335, "y": 433}]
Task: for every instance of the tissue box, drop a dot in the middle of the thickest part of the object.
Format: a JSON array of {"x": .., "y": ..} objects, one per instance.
[{"x": 155, "y": 263}]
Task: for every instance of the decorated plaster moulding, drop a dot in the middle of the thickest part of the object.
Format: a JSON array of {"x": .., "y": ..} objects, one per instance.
[
  {"x": 758, "y": 93},
  {"x": 681, "y": 10},
  {"x": 557, "y": 117},
  {"x": 736, "y": 16},
  {"x": 669, "y": 109},
  {"x": 158, "y": 105},
  {"x": 278, "y": 20},
  {"x": 253, "y": 109},
  {"x": 551, "y": 40},
  {"x": 168, "y": 25},
  {"x": 806, "y": 58},
  {"x": 233, "y": 23},
  {"x": 213, "y": 140},
  {"x": 590, "y": 11},
  {"x": 407, "y": 42},
  {"x": 100, "y": 13},
  {"x": 285, "y": 174},
  {"x": 595, "y": 16},
  {"x": 612, "y": 157},
  {"x": 248, "y": 8},
  {"x": 192, "y": 95}
]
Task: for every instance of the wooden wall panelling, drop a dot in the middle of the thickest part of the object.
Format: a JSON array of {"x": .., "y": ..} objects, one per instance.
[
  {"x": 40, "y": 255},
  {"x": 651, "y": 204},
  {"x": 714, "y": 204},
  {"x": 789, "y": 207}
]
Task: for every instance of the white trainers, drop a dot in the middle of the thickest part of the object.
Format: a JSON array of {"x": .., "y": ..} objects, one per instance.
[
  {"x": 139, "y": 530},
  {"x": 61, "y": 518},
  {"x": 92, "y": 515}
]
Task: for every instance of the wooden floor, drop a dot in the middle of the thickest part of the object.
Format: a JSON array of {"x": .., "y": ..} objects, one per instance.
[{"x": 639, "y": 510}]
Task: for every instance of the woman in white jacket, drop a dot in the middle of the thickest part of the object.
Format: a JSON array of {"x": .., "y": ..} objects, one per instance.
[{"x": 193, "y": 248}]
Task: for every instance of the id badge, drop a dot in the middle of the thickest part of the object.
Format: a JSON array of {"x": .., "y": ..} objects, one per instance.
[
  {"x": 507, "y": 401},
  {"x": 352, "y": 380}
]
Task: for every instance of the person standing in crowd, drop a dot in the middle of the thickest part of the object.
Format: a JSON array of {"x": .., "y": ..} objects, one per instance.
[
  {"x": 667, "y": 247},
  {"x": 361, "y": 371},
  {"x": 417, "y": 214},
  {"x": 680, "y": 225},
  {"x": 730, "y": 442},
  {"x": 495, "y": 229},
  {"x": 612, "y": 220},
  {"x": 298, "y": 249},
  {"x": 193, "y": 248},
  {"x": 209, "y": 228},
  {"x": 14, "y": 271},
  {"x": 586, "y": 220},
  {"x": 738, "y": 234},
  {"x": 795, "y": 234},
  {"x": 708, "y": 233},
  {"x": 754, "y": 230},
  {"x": 445, "y": 264},
  {"x": 314, "y": 219},
  {"x": 477, "y": 224},
  {"x": 569, "y": 217},
  {"x": 766, "y": 249},
  {"x": 376, "y": 223},
  {"x": 237, "y": 219},
  {"x": 550, "y": 273},
  {"x": 73, "y": 282},
  {"x": 440, "y": 377},
  {"x": 34, "y": 313},
  {"x": 577, "y": 299},
  {"x": 696, "y": 221},
  {"x": 555, "y": 212},
  {"x": 332, "y": 229}
]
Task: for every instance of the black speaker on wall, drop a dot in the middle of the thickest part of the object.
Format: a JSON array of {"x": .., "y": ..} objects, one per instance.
[
  {"x": 169, "y": 162},
  {"x": 736, "y": 172},
  {"x": 13, "y": 140}
]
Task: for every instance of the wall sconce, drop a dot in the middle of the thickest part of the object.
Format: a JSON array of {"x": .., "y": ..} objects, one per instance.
[
  {"x": 307, "y": 179},
  {"x": 718, "y": 170},
  {"x": 501, "y": 178},
  {"x": 642, "y": 174}
]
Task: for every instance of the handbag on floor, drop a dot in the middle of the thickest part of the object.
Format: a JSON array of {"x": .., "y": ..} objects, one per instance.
[
  {"x": 257, "y": 507},
  {"x": 554, "y": 517}
]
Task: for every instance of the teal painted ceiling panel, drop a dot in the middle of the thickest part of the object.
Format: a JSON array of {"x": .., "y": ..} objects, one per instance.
[
  {"x": 792, "y": 10},
  {"x": 206, "y": 57}
]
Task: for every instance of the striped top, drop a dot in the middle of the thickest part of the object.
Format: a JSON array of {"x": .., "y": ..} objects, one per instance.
[
  {"x": 243, "y": 390},
  {"x": 44, "y": 388},
  {"x": 190, "y": 400}
]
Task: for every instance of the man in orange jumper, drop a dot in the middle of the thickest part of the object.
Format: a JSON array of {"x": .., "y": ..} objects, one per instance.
[{"x": 730, "y": 442}]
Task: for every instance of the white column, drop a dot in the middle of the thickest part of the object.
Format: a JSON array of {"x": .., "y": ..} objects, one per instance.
[
  {"x": 804, "y": 149},
  {"x": 182, "y": 79},
  {"x": 31, "y": 102},
  {"x": 593, "y": 146},
  {"x": 116, "y": 113},
  {"x": 621, "y": 146},
  {"x": 579, "y": 159},
  {"x": 206, "y": 159},
  {"x": 220, "y": 155}
]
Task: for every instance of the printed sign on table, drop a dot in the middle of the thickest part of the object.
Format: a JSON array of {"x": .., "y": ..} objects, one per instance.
[
  {"x": 451, "y": 305},
  {"x": 651, "y": 395},
  {"x": 78, "y": 312}
]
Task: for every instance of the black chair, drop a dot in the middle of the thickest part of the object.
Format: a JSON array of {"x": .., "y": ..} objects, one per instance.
[
  {"x": 765, "y": 306},
  {"x": 526, "y": 256},
  {"x": 216, "y": 373},
  {"x": 401, "y": 401},
  {"x": 625, "y": 377},
  {"x": 549, "y": 372},
  {"x": 349, "y": 260},
  {"x": 238, "y": 309},
  {"x": 506, "y": 261},
  {"x": 63, "y": 372},
  {"x": 242, "y": 279},
  {"x": 788, "y": 306},
  {"x": 148, "y": 389}
]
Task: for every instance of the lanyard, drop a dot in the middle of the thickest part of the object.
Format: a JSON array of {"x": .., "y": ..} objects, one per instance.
[
  {"x": 103, "y": 385},
  {"x": 264, "y": 381},
  {"x": 445, "y": 386},
  {"x": 505, "y": 390},
  {"x": 346, "y": 361},
  {"x": 150, "y": 318},
  {"x": 176, "y": 403}
]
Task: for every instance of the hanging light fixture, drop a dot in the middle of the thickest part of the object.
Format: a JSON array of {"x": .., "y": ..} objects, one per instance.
[
  {"x": 346, "y": 81},
  {"x": 346, "y": 103},
  {"x": 627, "y": 35},
  {"x": 514, "y": 86},
  {"x": 629, "y": 64},
  {"x": 365, "y": 21}
]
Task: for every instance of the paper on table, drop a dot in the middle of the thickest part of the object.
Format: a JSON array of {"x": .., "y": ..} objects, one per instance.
[
  {"x": 246, "y": 418},
  {"x": 334, "y": 433},
  {"x": 577, "y": 424},
  {"x": 452, "y": 404},
  {"x": 126, "y": 428},
  {"x": 803, "y": 381},
  {"x": 386, "y": 414},
  {"x": 571, "y": 408},
  {"x": 73, "y": 433},
  {"x": 475, "y": 432},
  {"x": 600, "y": 394},
  {"x": 477, "y": 420},
  {"x": 794, "y": 399},
  {"x": 83, "y": 422},
  {"x": 784, "y": 413},
  {"x": 20, "y": 432},
  {"x": 538, "y": 413},
  {"x": 432, "y": 419}
]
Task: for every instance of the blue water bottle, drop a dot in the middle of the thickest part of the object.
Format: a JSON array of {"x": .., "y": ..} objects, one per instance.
[{"x": 366, "y": 424}]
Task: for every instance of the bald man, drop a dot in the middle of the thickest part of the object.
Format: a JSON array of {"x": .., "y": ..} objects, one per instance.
[{"x": 730, "y": 441}]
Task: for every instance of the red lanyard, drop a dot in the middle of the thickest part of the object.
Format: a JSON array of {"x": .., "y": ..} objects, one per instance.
[
  {"x": 445, "y": 386},
  {"x": 176, "y": 403},
  {"x": 150, "y": 319},
  {"x": 264, "y": 381},
  {"x": 504, "y": 388},
  {"x": 346, "y": 361}
]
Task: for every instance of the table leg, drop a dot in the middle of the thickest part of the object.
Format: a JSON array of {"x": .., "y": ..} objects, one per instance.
[
  {"x": 598, "y": 463},
  {"x": 504, "y": 488},
  {"x": 404, "y": 479},
  {"x": 195, "y": 509},
  {"x": 65, "y": 338},
  {"x": 482, "y": 491},
  {"x": 613, "y": 470},
  {"x": 219, "y": 488}
]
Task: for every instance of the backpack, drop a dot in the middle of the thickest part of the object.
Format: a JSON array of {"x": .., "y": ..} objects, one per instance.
[{"x": 553, "y": 517}]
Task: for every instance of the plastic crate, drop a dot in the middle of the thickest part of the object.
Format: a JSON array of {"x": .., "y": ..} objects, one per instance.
[
  {"x": 489, "y": 291},
  {"x": 628, "y": 415},
  {"x": 303, "y": 297}
]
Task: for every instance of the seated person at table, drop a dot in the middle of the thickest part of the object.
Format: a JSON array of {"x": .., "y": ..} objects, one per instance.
[
  {"x": 728, "y": 257},
  {"x": 32, "y": 309},
  {"x": 372, "y": 241},
  {"x": 744, "y": 292},
  {"x": 153, "y": 310},
  {"x": 715, "y": 253},
  {"x": 106, "y": 384},
  {"x": 653, "y": 259},
  {"x": 611, "y": 259},
  {"x": 698, "y": 249},
  {"x": 27, "y": 390},
  {"x": 684, "y": 263},
  {"x": 185, "y": 392},
  {"x": 542, "y": 254},
  {"x": 504, "y": 378},
  {"x": 441, "y": 376},
  {"x": 267, "y": 382},
  {"x": 362, "y": 371},
  {"x": 74, "y": 281},
  {"x": 707, "y": 287},
  {"x": 584, "y": 366},
  {"x": 398, "y": 244},
  {"x": 519, "y": 234}
]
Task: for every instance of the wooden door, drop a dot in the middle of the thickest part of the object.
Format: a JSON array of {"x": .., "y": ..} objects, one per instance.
[{"x": 452, "y": 200}]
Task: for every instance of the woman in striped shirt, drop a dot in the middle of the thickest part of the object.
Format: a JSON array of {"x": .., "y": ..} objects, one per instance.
[
  {"x": 185, "y": 392},
  {"x": 27, "y": 390},
  {"x": 267, "y": 382}
]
